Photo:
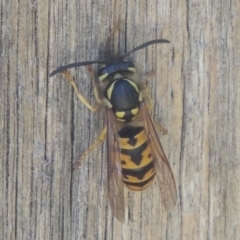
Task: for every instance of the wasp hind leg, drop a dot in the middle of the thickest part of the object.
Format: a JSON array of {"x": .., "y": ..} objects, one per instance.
[
  {"x": 95, "y": 88},
  {"x": 79, "y": 95},
  {"x": 100, "y": 140}
]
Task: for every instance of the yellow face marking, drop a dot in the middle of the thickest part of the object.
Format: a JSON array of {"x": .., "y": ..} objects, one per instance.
[
  {"x": 120, "y": 114},
  {"x": 102, "y": 77},
  {"x": 135, "y": 111},
  {"x": 140, "y": 98}
]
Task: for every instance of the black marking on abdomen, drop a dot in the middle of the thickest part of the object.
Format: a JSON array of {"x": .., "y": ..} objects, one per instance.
[
  {"x": 130, "y": 132},
  {"x": 132, "y": 141},
  {"x": 140, "y": 185},
  {"x": 136, "y": 153},
  {"x": 138, "y": 173}
]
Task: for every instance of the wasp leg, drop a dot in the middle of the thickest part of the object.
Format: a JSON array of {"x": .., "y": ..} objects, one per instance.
[
  {"x": 95, "y": 88},
  {"x": 79, "y": 95},
  {"x": 100, "y": 139},
  {"x": 149, "y": 75}
]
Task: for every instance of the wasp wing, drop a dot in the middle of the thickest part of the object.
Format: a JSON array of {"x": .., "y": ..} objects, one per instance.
[
  {"x": 115, "y": 184},
  {"x": 164, "y": 174}
]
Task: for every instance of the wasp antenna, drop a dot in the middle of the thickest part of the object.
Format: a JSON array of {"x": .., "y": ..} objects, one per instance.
[
  {"x": 72, "y": 65},
  {"x": 146, "y": 44}
]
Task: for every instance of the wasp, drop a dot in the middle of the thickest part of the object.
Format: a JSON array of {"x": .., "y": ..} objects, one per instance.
[{"x": 135, "y": 154}]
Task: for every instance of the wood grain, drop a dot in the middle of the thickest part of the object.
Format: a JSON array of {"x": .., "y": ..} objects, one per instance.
[{"x": 44, "y": 128}]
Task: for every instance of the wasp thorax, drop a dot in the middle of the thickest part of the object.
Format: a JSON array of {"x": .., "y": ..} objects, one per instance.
[{"x": 124, "y": 97}]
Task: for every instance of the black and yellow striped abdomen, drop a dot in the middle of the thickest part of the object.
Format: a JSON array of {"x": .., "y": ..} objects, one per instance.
[{"x": 136, "y": 158}]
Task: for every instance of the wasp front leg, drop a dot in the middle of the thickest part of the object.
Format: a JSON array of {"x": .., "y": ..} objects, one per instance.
[
  {"x": 95, "y": 88},
  {"x": 79, "y": 95},
  {"x": 100, "y": 140},
  {"x": 89, "y": 106}
]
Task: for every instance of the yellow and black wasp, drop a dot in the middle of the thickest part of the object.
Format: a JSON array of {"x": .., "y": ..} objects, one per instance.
[{"x": 135, "y": 154}]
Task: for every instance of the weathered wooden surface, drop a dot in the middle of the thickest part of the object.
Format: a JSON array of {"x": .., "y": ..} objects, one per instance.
[{"x": 44, "y": 128}]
